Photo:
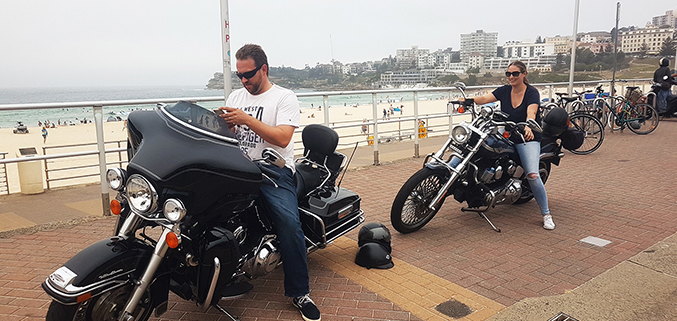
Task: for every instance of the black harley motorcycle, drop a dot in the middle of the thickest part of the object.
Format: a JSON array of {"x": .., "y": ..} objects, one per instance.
[
  {"x": 189, "y": 221},
  {"x": 482, "y": 168}
]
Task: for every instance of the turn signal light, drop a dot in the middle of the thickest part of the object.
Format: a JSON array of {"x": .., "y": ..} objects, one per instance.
[
  {"x": 461, "y": 110},
  {"x": 115, "y": 207},
  {"x": 506, "y": 135},
  {"x": 172, "y": 240},
  {"x": 84, "y": 297}
]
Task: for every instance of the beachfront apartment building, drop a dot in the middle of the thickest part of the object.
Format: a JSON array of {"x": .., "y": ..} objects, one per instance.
[
  {"x": 411, "y": 78},
  {"x": 408, "y": 58},
  {"x": 518, "y": 49},
  {"x": 562, "y": 44},
  {"x": 540, "y": 63},
  {"x": 668, "y": 19},
  {"x": 480, "y": 42},
  {"x": 647, "y": 40}
]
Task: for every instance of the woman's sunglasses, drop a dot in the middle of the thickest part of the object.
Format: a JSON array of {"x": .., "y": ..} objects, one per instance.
[
  {"x": 514, "y": 73},
  {"x": 248, "y": 74}
]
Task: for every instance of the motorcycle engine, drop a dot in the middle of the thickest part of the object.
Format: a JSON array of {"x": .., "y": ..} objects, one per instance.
[
  {"x": 266, "y": 258},
  {"x": 508, "y": 193}
]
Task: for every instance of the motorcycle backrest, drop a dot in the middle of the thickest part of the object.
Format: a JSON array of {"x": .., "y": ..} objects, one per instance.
[{"x": 319, "y": 139}]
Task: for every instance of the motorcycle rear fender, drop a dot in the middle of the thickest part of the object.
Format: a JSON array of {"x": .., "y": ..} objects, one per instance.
[{"x": 101, "y": 267}]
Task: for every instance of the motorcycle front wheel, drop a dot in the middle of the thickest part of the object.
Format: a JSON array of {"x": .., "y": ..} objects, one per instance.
[
  {"x": 410, "y": 211},
  {"x": 105, "y": 307},
  {"x": 527, "y": 195}
]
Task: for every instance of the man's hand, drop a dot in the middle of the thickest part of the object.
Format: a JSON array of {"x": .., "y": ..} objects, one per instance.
[{"x": 235, "y": 116}]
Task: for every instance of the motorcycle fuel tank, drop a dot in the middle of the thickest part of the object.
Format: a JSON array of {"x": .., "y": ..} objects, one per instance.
[{"x": 495, "y": 147}]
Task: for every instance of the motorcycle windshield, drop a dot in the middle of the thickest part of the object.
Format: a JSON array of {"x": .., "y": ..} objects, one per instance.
[
  {"x": 184, "y": 149},
  {"x": 202, "y": 118}
]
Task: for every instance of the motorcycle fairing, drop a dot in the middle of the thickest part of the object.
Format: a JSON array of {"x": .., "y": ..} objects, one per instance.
[
  {"x": 211, "y": 170},
  {"x": 100, "y": 267}
]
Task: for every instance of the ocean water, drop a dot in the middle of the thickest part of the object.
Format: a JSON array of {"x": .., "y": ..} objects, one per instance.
[{"x": 31, "y": 118}]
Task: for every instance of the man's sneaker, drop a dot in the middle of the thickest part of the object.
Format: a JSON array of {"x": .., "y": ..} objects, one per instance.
[
  {"x": 548, "y": 224},
  {"x": 307, "y": 308}
]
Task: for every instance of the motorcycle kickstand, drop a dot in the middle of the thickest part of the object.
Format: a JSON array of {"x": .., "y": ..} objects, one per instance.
[
  {"x": 481, "y": 214},
  {"x": 220, "y": 308}
]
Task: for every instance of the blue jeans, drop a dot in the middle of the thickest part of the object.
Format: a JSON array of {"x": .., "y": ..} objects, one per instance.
[
  {"x": 530, "y": 155},
  {"x": 661, "y": 100},
  {"x": 282, "y": 206}
]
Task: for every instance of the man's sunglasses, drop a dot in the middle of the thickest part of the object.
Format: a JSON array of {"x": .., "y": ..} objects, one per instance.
[
  {"x": 514, "y": 73},
  {"x": 248, "y": 74}
]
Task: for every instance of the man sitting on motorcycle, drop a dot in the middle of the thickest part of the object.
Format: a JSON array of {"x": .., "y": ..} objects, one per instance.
[
  {"x": 520, "y": 101},
  {"x": 265, "y": 115},
  {"x": 666, "y": 103}
]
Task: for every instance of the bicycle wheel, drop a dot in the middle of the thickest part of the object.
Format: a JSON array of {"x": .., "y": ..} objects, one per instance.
[
  {"x": 593, "y": 131},
  {"x": 643, "y": 119}
]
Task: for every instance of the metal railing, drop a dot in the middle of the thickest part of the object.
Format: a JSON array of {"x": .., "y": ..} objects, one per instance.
[
  {"x": 67, "y": 170},
  {"x": 4, "y": 183},
  {"x": 407, "y": 126}
]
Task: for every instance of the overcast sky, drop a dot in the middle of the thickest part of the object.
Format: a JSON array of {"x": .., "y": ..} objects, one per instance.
[{"x": 47, "y": 43}]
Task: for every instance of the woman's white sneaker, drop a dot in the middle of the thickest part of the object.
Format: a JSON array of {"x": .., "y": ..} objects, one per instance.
[{"x": 548, "y": 224}]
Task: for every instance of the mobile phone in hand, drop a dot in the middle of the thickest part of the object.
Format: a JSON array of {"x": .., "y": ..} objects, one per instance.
[{"x": 219, "y": 111}]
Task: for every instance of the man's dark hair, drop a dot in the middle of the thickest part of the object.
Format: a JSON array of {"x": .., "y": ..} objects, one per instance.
[{"x": 252, "y": 51}]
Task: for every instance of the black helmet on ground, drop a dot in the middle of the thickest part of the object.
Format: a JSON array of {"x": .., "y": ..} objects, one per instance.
[
  {"x": 555, "y": 122},
  {"x": 376, "y": 233},
  {"x": 374, "y": 255}
]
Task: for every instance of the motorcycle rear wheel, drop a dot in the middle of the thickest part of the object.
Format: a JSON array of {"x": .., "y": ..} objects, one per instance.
[
  {"x": 527, "y": 195},
  {"x": 410, "y": 211},
  {"x": 105, "y": 307}
]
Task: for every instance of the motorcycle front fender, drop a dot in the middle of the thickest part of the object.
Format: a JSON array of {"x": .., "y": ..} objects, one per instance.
[{"x": 101, "y": 267}]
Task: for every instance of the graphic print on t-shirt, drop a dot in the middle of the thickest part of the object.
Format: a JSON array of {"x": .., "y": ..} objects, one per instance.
[{"x": 247, "y": 137}]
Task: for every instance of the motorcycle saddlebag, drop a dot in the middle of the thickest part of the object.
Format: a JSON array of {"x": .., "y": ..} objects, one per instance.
[
  {"x": 572, "y": 138},
  {"x": 333, "y": 209}
]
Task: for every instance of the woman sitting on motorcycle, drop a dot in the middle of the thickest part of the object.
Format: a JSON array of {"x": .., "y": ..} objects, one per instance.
[{"x": 520, "y": 101}]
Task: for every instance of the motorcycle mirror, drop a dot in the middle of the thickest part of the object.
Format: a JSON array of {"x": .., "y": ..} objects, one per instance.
[
  {"x": 273, "y": 157},
  {"x": 459, "y": 85},
  {"x": 534, "y": 125}
]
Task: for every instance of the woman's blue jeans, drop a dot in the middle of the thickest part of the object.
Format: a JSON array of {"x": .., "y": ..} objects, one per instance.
[
  {"x": 530, "y": 155},
  {"x": 282, "y": 206}
]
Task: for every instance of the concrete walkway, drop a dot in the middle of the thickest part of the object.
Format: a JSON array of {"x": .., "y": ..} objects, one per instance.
[{"x": 623, "y": 193}]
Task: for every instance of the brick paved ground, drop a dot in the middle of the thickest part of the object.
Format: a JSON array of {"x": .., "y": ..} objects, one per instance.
[{"x": 623, "y": 192}]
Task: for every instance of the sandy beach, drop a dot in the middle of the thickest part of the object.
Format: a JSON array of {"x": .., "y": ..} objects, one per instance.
[{"x": 348, "y": 119}]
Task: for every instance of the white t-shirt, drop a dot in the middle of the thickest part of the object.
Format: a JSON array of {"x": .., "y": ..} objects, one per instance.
[{"x": 277, "y": 106}]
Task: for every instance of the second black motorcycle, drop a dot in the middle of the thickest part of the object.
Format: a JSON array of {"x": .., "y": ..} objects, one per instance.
[{"x": 478, "y": 165}]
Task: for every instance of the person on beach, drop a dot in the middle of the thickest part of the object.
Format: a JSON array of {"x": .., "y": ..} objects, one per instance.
[
  {"x": 44, "y": 134},
  {"x": 520, "y": 101},
  {"x": 263, "y": 115},
  {"x": 365, "y": 127}
]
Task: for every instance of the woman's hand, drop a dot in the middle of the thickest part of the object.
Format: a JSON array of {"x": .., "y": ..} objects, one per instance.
[{"x": 528, "y": 134}]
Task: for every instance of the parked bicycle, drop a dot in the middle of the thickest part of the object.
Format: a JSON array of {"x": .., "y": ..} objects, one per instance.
[{"x": 633, "y": 113}]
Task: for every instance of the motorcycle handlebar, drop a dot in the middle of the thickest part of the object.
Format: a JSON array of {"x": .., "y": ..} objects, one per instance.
[{"x": 466, "y": 102}]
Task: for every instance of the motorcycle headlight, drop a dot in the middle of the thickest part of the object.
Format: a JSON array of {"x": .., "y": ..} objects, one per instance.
[
  {"x": 116, "y": 178},
  {"x": 460, "y": 134},
  {"x": 174, "y": 210},
  {"x": 141, "y": 194}
]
